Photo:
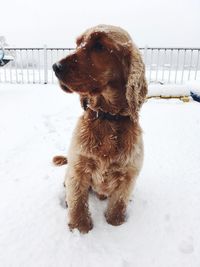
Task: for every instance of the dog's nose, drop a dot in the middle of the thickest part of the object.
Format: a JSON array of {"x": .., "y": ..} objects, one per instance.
[{"x": 57, "y": 67}]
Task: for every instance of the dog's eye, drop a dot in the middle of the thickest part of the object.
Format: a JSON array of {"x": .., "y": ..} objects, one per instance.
[{"x": 98, "y": 47}]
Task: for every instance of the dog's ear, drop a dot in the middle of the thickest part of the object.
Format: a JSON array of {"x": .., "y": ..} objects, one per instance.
[{"x": 136, "y": 87}]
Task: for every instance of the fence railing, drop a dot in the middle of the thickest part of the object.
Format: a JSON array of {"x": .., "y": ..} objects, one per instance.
[{"x": 163, "y": 65}]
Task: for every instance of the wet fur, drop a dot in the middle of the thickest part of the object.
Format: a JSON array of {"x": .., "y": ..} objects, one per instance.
[{"x": 105, "y": 155}]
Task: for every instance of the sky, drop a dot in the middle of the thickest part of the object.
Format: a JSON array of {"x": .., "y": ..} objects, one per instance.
[{"x": 165, "y": 23}]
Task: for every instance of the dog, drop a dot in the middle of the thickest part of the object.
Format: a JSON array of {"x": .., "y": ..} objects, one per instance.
[{"x": 106, "y": 151}]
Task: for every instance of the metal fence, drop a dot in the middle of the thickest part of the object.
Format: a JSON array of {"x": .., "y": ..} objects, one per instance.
[{"x": 163, "y": 65}]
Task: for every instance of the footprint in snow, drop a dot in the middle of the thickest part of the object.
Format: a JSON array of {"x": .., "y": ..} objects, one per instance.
[{"x": 186, "y": 246}]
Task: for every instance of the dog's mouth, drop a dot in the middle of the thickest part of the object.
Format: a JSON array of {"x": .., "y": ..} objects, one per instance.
[
  {"x": 65, "y": 88},
  {"x": 80, "y": 89}
]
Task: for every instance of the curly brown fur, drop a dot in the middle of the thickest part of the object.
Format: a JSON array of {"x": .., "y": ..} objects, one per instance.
[{"x": 106, "y": 151}]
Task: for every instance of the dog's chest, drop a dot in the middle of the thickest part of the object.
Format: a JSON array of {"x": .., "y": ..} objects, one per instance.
[
  {"x": 109, "y": 147},
  {"x": 105, "y": 140},
  {"x": 104, "y": 182}
]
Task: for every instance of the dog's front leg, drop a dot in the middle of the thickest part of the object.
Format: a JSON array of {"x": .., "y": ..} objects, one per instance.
[
  {"x": 118, "y": 200},
  {"x": 77, "y": 190}
]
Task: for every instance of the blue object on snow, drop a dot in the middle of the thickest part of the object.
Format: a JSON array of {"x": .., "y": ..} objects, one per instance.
[{"x": 195, "y": 96}]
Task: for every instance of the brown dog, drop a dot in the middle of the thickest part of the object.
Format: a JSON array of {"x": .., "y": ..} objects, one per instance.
[{"x": 106, "y": 152}]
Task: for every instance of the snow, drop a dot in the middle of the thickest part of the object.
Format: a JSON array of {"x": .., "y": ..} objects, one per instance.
[
  {"x": 174, "y": 90},
  {"x": 194, "y": 86},
  {"x": 168, "y": 90},
  {"x": 163, "y": 225}
]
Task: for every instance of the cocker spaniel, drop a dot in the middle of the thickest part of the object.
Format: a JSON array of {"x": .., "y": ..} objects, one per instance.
[{"x": 106, "y": 151}]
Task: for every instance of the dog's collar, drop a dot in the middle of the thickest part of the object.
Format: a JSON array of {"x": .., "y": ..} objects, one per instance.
[
  {"x": 103, "y": 115},
  {"x": 108, "y": 116}
]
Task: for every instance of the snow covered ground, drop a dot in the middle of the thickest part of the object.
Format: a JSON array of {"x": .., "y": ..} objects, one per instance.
[{"x": 163, "y": 226}]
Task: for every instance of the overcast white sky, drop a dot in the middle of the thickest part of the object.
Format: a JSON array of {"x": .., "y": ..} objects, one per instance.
[{"x": 56, "y": 23}]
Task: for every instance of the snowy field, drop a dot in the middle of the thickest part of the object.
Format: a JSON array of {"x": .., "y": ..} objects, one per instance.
[{"x": 163, "y": 226}]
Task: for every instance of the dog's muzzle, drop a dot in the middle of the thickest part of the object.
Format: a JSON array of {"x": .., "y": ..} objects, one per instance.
[{"x": 58, "y": 68}]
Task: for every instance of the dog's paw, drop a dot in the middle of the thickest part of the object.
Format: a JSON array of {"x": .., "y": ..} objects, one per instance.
[
  {"x": 84, "y": 225},
  {"x": 116, "y": 215},
  {"x": 115, "y": 218}
]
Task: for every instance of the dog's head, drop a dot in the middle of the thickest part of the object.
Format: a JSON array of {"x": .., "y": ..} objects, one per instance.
[{"x": 107, "y": 71}]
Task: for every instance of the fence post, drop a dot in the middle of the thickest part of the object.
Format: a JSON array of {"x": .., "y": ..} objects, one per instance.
[
  {"x": 145, "y": 53},
  {"x": 45, "y": 65}
]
